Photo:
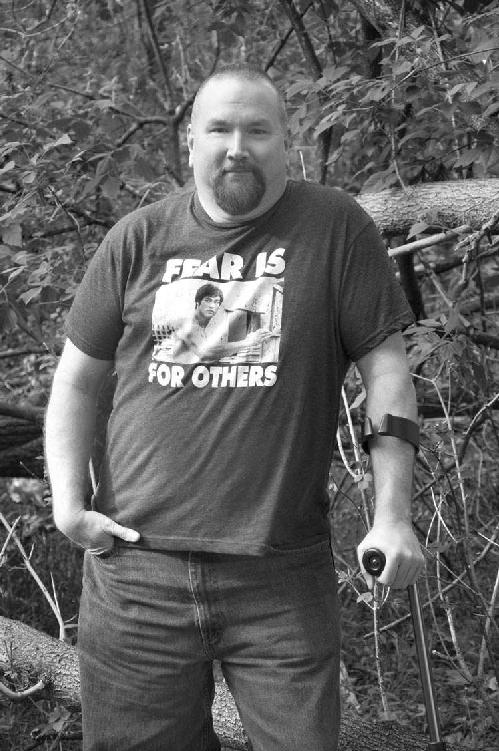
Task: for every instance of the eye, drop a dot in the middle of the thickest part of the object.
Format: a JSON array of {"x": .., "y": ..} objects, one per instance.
[
  {"x": 219, "y": 129},
  {"x": 258, "y": 130}
]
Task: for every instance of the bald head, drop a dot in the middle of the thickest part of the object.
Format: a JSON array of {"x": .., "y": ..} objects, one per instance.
[{"x": 241, "y": 73}]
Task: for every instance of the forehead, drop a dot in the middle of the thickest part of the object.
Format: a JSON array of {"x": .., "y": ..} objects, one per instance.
[{"x": 230, "y": 97}]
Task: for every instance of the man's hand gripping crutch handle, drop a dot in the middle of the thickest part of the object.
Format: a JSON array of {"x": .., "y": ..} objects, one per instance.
[{"x": 374, "y": 561}]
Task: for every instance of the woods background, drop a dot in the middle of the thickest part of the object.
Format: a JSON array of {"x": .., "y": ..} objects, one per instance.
[{"x": 395, "y": 102}]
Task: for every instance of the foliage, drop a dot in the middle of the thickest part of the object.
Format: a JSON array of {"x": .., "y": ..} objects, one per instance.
[
  {"x": 422, "y": 107},
  {"x": 93, "y": 107}
]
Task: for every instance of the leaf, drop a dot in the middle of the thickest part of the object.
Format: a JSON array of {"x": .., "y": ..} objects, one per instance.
[
  {"x": 10, "y": 165},
  {"x": 399, "y": 69},
  {"x": 30, "y": 295},
  {"x": 64, "y": 140},
  {"x": 298, "y": 87},
  {"x": 388, "y": 716},
  {"x": 454, "y": 322},
  {"x": 469, "y": 156},
  {"x": 81, "y": 129},
  {"x": 9, "y": 147},
  {"x": 491, "y": 110},
  {"x": 492, "y": 683},
  {"x": 365, "y": 482},
  {"x": 430, "y": 323},
  {"x": 12, "y": 234},
  {"x": 335, "y": 72},
  {"x": 484, "y": 88},
  {"x": 58, "y": 718},
  {"x": 15, "y": 273},
  {"x": 8, "y": 318},
  {"x": 365, "y": 597},
  {"x": 111, "y": 186},
  {"x": 358, "y": 399},
  {"x": 29, "y": 177},
  {"x": 106, "y": 166},
  {"x": 417, "y": 229},
  {"x": 455, "y": 89}
]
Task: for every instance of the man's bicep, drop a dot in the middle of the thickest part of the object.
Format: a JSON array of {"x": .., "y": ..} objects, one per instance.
[
  {"x": 80, "y": 371},
  {"x": 387, "y": 358}
]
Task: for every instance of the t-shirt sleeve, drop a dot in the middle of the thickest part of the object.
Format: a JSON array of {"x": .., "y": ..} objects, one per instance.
[
  {"x": 94, "y": 323},
  {"x": 372, "y": 303}
]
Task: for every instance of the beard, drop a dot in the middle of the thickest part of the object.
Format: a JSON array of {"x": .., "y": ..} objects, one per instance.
[{"x": 240, "y": 196}]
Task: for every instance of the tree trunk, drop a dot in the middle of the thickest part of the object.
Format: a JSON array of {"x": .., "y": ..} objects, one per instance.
[
  {"x": 45, "y": 657},
  {"x": 448, "y": 204}
]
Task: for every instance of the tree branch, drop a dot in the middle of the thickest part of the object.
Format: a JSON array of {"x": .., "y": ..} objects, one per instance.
[
  {"x": 425, "y": 242},
  {"x": 296, "y": 20},
  {"x": 25, "y": 693},
  {"x": 157, "y": 53},
  {"x": 315, "y": 67},
  {"x": 282, "y": 42}
]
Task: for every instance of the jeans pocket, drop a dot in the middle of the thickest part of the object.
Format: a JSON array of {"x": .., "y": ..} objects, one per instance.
[
  {"x": 106, "y": 556},
  {"x": 315, "y": 548}
]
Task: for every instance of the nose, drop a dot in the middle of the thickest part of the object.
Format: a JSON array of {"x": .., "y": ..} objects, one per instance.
[{"x": 237, "y": 145}]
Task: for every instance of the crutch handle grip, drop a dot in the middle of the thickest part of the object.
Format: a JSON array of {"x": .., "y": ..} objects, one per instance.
[{"x": 373, "y": 561}]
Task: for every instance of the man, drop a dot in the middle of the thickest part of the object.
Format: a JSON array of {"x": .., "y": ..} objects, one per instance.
[{"x": 208, "y": 537}]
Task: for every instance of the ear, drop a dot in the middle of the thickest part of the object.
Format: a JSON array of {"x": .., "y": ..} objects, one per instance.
[{"x": 190, "y": 142}]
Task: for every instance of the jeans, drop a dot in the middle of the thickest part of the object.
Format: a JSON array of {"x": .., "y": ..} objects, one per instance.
[{"x": 151, "y": 624}]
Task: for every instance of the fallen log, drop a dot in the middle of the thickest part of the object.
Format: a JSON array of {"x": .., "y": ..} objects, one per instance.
[
  {"x": 21, "y": 447},
  {"x": 42, "y": 656},
  {"x": 448, "y": 204}
]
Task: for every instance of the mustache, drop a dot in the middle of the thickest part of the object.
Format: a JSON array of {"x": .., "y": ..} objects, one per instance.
[{"x": 238, "y": 167}]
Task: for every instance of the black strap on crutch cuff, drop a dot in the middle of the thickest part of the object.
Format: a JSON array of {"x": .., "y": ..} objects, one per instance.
[{"x": 398, "y": 427}]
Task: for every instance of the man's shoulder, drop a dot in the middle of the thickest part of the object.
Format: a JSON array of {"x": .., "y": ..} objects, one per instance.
[
  {"x": 325, "y": 196},
  {"x": 158, "y": 211}
]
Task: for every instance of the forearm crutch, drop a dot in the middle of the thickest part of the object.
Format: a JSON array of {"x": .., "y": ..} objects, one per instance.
[{"x": 374, "y": 561}]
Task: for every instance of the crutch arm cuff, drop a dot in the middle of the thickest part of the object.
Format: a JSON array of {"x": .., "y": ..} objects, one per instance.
[{"x": 398, "y": 427}]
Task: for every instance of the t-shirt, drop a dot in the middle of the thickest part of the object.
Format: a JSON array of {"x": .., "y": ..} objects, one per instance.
[{"x": 231, "y": 344}]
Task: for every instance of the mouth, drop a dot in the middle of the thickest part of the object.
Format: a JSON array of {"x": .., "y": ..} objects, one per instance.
[{"x": 237, "y": 170}]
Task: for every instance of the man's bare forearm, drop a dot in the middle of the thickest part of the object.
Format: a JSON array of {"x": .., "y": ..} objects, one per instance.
[
  {"x": 69, "y": 435},
  {"x": 392, "y": 458}
]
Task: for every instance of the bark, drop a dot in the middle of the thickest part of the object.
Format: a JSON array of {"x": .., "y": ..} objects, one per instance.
[
  {"x": 448, "y": 204},
  {"x": 21, "y": 448},
  {"x": 45, "y": 657}
]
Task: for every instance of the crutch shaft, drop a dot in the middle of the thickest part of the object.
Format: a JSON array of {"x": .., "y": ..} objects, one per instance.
[{"x": 374, "y": 561}]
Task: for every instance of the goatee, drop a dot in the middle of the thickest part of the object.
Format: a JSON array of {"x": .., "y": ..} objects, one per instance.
[{"x": 241, "y": 196}]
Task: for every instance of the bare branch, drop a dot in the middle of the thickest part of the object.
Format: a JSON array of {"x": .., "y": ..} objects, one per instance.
[
  {"x": 22, "y": 695},
  {"x": 144, "y": 5},
  {"x": 303, "y": 38},
  {"x": 282, "y": 42},
  {"x": 53, "y": 604},
  {"x": 427, "y": 241}
]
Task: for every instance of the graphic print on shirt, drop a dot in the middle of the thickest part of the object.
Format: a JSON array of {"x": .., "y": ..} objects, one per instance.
[{"x": 214, "y": 325}]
